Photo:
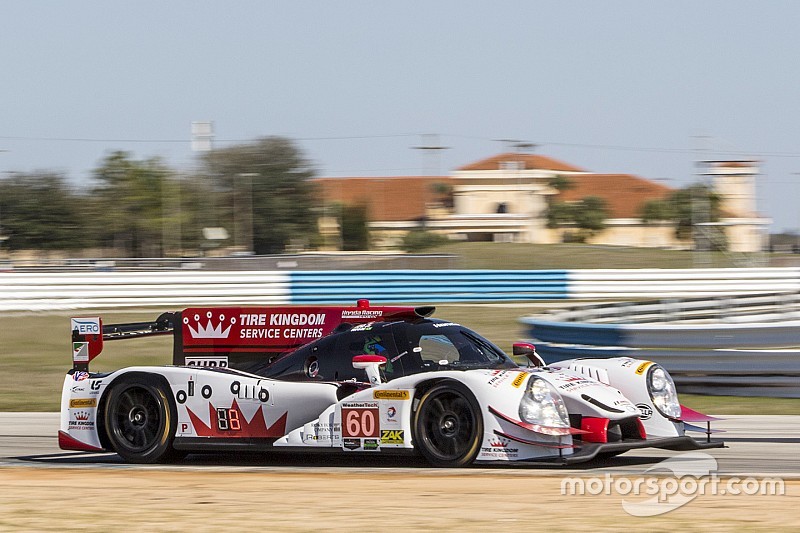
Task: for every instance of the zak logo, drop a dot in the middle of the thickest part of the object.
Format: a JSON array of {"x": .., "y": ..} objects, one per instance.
[
  {"x": 392, "y": 436},
  {"x": 209, "y": 330}
]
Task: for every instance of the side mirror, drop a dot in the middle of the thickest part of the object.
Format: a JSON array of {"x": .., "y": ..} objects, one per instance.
[
  {"x": 528, "y": 350},
  {"x": 372, "y": 365}
]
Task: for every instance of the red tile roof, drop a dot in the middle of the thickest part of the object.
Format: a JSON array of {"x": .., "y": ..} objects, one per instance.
[
  {"x": 387, "y": 199},
  {"x": 624, "y": 194},
  {"x": 529, "y": 161}
]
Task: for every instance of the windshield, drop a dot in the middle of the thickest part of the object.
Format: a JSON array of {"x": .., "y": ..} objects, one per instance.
[{"x": 436, "y": 346}]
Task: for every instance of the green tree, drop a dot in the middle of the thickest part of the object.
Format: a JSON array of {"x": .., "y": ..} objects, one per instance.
[
  {"x": 588, "y": 215},
  {"x": 355, "y": 228},
  {"x": 130, "y": 208},
  {"x": 271, "y": 175},
  {"x": 655, "y": 210},
  {"x": 561, "y": 183},
  {"x": 41, "y": 211},
  {"x": 559, "y": 214},
  {"x": 591, "y": 214}
]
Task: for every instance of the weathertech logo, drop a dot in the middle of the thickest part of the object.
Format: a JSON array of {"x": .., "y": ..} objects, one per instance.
[{"x": 209, "y": 330}]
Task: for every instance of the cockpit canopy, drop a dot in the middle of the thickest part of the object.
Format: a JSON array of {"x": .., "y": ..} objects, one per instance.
[{"x": 409, "y": 348}]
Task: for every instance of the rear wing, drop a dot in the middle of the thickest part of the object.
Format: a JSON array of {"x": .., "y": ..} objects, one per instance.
[{"x": 233, "y": 336}]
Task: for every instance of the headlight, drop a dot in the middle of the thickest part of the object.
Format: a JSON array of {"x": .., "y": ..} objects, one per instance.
[
  {"x": 542, "y": 405},
  {"x": 662, "y": 392}
]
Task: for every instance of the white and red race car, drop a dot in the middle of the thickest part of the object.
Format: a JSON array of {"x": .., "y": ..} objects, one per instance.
[{"x": 380, "y": 380}]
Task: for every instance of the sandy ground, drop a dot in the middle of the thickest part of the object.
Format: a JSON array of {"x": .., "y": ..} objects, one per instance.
[{"x": 45, "y": 499}]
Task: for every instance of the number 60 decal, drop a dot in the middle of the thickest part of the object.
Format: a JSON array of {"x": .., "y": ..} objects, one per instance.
[{"x": 360, "y": 423}]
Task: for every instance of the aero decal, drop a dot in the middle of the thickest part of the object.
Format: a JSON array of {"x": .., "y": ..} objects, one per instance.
[
  {"x": 643, "y": 367},
  {"x": 255, "y": 427}
]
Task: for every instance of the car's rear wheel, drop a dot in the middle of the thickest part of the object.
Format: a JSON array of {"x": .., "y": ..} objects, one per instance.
[
  {"x": 140, "y": 420},
  {"x": 448, "y": 426}
]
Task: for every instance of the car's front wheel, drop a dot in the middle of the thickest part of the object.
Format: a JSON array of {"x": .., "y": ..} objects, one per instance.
[
  {"x": 140, "y": 420},
  {"x": 448, "y": 426}
]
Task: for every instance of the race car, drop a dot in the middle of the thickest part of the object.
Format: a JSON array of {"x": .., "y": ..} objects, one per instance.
[{"x": 363, "y": 379}]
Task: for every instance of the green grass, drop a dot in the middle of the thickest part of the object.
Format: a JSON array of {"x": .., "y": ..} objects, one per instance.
[
  {"x": 567, "y": 256},
  {"x": 35, "y": 354}
]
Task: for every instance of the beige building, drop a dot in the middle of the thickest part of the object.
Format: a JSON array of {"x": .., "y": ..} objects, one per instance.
[{"x": 506, "y": 197}]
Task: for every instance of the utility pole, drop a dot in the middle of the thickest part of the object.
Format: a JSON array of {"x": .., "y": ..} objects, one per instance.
[{"x": 431, "y": 153}]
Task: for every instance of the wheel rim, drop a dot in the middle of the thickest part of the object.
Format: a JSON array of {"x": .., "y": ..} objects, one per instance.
[
  {"x": 136, "y": 419},
  {"x": 448, "y": 425}
]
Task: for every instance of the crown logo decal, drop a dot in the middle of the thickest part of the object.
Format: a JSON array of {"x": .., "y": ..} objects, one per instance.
[
  {"x": 209, "y": 330},
  {"x": 82, "y": 415},
  {"x": 499, "y": 444}
]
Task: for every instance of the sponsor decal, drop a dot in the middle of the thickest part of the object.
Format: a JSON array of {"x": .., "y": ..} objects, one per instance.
[
  {"x": 80, "y": 376},
  {"x": 574, "y": 383},
  {"x": 445, "y": 324},
  {"x": 362, "y": 313},
  {"x": 391, "y": 412},
  {"x": 294, "y": 319},
  {"x": 78, "y": 388},
  {"x": 640, "y": 370},
  {"x": 519, "y": 380},
  {"x": 95, "y": 386},
  {"x": 80, "y": 421},
  {"x": 498, "y": 377},
  {"x": 210, "y": 330},
  {"x": 78, "y": 403},
  {"x": 86, "y": 326},
  {"x": 362, "y": 327},
  {"x": 387, "y": 394},
  {"x": 80, "y": 352},
  {"x": 627, "y": 362},
  {"x": 371, "y": 444},
  {"x": 351, "y": 444},
  {"x": 645, "y": 411},
  {"x": 392, "y": 436},
  {"x": 207, "y": 362},
  {"x": 499, "y": 447},
  {"x": 322, "y": 433}
]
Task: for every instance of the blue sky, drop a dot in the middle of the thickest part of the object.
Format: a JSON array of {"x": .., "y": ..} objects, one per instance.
[{"x": 636, "y": 87}]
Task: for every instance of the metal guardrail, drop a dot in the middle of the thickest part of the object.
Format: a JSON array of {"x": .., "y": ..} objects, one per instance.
[{"x": 758, "y": 357}]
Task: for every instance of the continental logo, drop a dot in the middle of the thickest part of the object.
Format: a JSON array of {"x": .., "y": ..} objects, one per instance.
[
  {"x": 391, "y": 395},
  {"x": 392, "y": 436},
  {"x": 82, "y": 403},
  {"x": 519, "y": 380},
  {"x": 640, "y": 370}
]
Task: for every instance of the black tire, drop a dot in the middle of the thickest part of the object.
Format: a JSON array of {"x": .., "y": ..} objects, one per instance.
[
  {"x": 140, "y": 420},
  {"x": 448, "y": 425}
]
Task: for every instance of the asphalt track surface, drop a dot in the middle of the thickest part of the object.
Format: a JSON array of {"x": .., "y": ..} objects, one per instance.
[{"x": 756, "y": 445}]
